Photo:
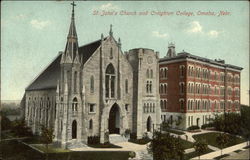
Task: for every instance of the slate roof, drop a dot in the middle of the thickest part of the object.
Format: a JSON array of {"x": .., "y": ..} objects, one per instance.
[
  {"x": 49, "y": 77},
  {"x": 185, "y": 55}
]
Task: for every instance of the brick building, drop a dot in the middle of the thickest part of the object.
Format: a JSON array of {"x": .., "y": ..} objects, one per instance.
[{"x": 193, "y": 88}]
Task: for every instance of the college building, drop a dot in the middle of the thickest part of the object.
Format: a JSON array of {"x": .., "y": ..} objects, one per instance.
[{"x": 193, "y": 89}]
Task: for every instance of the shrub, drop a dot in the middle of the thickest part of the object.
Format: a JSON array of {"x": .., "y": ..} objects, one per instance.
[
  {"x": 132, "y": 135},
  {"x": 204, "y": 126},
  {"x": 132, "y": 154},
  {"x": 193, "y": 128},
  {"x": 127, "y": 131},
  {"x": 93, "y": 140}
]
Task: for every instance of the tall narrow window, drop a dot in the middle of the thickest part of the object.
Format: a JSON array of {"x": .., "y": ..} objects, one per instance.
[
  {"x": 92, "y": 84},
  {"x": 147, "y": 73},
  {"x": 74, "y": 105},
  {"x": 111, "y": 53},
  {"x": 110, "y": 81},
  {"x": 91, "y": 124},
  {"x": 126, "y": 86},
  {"x": 151, "y": 73},
  {"x": 75, "y": 80}
]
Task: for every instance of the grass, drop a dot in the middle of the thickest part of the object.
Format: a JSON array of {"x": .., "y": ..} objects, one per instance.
[
  {"x": 106, "y": 145},
  {"x": 222, "y": 156},
  {"x": 174, "y": 131},
  {"x": 186, "y": 144},
  {"x": 139, "y": 141},
  {"x": 237, "y": 151},
  {"x": 51, "y": 149},
  {"x": 13, "y": 150},
  {"x": 211, "y": 139},
  {"x": 195, "y": 154}
]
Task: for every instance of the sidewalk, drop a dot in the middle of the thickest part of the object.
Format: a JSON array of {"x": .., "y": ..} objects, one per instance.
[
  {"x": 214, "y": 154},
  {"x": 126, "y": 146}
]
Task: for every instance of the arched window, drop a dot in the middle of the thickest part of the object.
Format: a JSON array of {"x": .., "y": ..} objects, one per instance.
[
  {"x": 75, "y": 80},
  {"x": 161, "y": 104},
  {"x": 91, "y": 124},
  {"x": 126, "y": 86},
  {"x": 165, "y": 73},
  {"x": 110, "y": 81},
  {"x": 151, "y": 73},
  {"x": 111, "y": 53},
  {"x": 147, "y": 73},
  {"x": 165, "y": 104},
  {"x": 165, "y": 88},
  {"x": 74, "y": 105},
  {"x": 150, "y": 87},
  {"x": 92, "y": 84},
  {"x": 74, "y": 129}
]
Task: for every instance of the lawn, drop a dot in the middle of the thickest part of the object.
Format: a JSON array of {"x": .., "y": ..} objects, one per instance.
[
  {"x": 51, "y": 149},
  {"x": 14, "y": 150},
  {"x": 174, "y": 131},
  {"x": 195, "y": 154},
  {"x": 106, "y": 145},
  {"x": 211, "y": 139},
  {"x": 222, "y": 156},
  {"x": 139, "y": 141},
  {"x": 186, "y": 144}
]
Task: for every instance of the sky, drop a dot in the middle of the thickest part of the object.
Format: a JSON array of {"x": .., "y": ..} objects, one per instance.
[{"x": 32, "y": 33}]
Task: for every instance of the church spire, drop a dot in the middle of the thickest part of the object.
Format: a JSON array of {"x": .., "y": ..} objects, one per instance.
[
  {"x": 71, "y": 50},
  {"x": 110, "y": 31}
]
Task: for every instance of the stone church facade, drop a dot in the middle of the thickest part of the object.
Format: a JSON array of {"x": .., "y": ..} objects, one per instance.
[{"x": 95, "y": 89}]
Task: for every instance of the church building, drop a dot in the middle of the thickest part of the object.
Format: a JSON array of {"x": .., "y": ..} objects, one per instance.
[{"x": 95, "y": 90}]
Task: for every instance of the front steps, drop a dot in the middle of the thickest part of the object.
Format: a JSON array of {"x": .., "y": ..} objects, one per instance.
[{"x": 117, "y": 138}]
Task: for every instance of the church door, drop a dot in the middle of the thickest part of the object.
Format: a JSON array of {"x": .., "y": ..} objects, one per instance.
[
  {"x": 114, "y": 119},
  {"x": 74, "y": 129}
]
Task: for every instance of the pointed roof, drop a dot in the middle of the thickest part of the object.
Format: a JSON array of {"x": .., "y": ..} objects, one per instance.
[
  {"x": 71, "y": 49},
  {"x": 49, "y": 77}
]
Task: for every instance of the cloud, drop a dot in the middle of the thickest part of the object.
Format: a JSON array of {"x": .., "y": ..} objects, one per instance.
[
  {"x": 109, "y": 6},
  {"x": 213, "y": 33},
  {"x": 20, "y": 16},
  {"x": 39, "y": 24},
  {"x": 158, "y": 34},
  {"x": 195, "y": 27}
]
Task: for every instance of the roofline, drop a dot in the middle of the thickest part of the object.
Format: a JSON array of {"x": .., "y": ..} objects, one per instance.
[
  {"x": 39, "y": 89},
  {"x": 26, "y": 89},
  {"x": 185, "y": 55}
]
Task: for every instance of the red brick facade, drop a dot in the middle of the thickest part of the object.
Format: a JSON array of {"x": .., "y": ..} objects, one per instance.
[{"x": 191, "y": 84}]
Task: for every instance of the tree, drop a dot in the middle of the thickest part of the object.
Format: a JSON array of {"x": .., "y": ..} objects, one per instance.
[
  {"x": 222, "y": 139},
  {"x": 21, "y": 129},
  {"x": 165, "y": 147},
  {"x": 47, "y": 137},
  {"x": 5, "y": 123},
  {"x": 200, "y": 147}
]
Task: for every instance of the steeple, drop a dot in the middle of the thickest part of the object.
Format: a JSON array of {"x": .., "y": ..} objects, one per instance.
[
  {"x": 110, "y": 31},
  {"x": 71, "y": 49},
  {"x": 171, "y": 50}
]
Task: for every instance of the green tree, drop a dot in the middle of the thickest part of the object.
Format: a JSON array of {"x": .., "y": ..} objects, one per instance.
[
  {"x": 222, "y": 139},
  {"x": 47, "y": 137},
  {"x": 21, "y": 129},
  {"x": 5, "y": 123},
  {"x": 165, "y": 147},
  {"x": 200, "y": 147}
]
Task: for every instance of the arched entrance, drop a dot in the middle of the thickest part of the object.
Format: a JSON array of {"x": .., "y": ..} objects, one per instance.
[
  {"x": 74, "y": 129},
  {"x": 149, "y": 124},
  {"x": 114, "y": 119},
  {"x": 197, "y": 121}
]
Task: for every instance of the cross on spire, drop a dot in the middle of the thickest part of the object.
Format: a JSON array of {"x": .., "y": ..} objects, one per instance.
[
  {"x": 110, "y": 31},
  {"x": 73, "y": 7}
]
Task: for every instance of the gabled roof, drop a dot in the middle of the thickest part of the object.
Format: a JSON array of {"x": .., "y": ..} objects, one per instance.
[{"x": 49, "y": 77}]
